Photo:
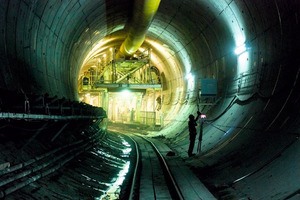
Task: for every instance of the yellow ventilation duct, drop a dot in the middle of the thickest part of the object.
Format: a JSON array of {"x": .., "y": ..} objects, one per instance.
[{"x": 143, "y": 13}]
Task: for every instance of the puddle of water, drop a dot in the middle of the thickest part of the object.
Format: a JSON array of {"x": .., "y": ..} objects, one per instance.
[{"x": 114, "y": 189}]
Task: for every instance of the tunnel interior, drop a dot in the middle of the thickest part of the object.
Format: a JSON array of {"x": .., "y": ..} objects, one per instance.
[{"x": 250, "y": 48}]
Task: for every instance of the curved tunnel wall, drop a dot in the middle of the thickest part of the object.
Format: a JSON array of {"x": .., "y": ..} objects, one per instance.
[
  {"x": 43, "y": 45},
  {"x": 43, "y": 42}
]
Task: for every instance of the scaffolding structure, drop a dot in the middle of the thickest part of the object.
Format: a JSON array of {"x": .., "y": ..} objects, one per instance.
[{"x": 136, "y": 75}]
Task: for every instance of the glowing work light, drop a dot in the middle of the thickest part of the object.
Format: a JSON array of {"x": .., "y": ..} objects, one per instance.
[
  {"x": 189, "y": 76},
  {"x": 202, "y": 116},
  {"x": 125, "y": 94},
  {"x": 240, "y": 49}
]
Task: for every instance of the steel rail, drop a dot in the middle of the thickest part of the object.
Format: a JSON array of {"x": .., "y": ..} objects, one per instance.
[
  {"x": 135, "y": 169},
  {"x": 162, "y": 159},
  {"x": 164, "y": 165}
]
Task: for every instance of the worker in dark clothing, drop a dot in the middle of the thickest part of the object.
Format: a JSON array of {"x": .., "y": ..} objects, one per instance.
[{"x": 193, "y": 132}]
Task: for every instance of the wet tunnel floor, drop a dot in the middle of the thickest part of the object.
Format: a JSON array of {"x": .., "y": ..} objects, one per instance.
[
  {"x": 96, "y": 172},
  {"x": 93, "y": 174}
]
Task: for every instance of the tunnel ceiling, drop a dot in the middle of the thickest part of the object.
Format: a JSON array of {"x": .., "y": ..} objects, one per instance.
[
  {"x": 48, "y": 40},
  {"x": 45, "y": 43}
]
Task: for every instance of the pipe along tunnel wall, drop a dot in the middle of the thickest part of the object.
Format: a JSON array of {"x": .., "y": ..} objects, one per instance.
[{"x": 44, "y": 43}]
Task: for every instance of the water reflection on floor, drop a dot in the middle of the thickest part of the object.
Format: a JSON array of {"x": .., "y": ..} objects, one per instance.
[
  {"x": 114, "y": 188},
  {"x": 95, "y": 174}
]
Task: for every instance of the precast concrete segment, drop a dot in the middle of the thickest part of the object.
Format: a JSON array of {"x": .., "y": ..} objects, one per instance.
[{"x": 42, "y": 45}]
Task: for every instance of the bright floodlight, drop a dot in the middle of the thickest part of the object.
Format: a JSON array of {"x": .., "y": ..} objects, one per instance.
[
  {"x": 240, "y": 49},
  {"x": 189, "y": 76},
  {"x": 125, "y": 93}
]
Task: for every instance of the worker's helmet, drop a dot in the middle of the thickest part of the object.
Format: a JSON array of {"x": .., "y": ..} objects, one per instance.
[{"x": 191, "y": 117}]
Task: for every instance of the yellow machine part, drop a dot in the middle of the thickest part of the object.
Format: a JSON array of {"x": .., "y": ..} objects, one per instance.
[{"x": 143, "y": 13}]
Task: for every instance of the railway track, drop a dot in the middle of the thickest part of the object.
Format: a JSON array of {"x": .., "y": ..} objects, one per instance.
[{"x": 152, "y": 177}]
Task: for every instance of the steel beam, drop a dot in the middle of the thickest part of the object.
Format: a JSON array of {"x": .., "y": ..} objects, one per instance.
[{"x": 115, "y": 85}]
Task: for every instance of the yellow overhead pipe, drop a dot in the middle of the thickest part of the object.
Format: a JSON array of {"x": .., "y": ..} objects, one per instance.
[{"x": 143, "y": 13}]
